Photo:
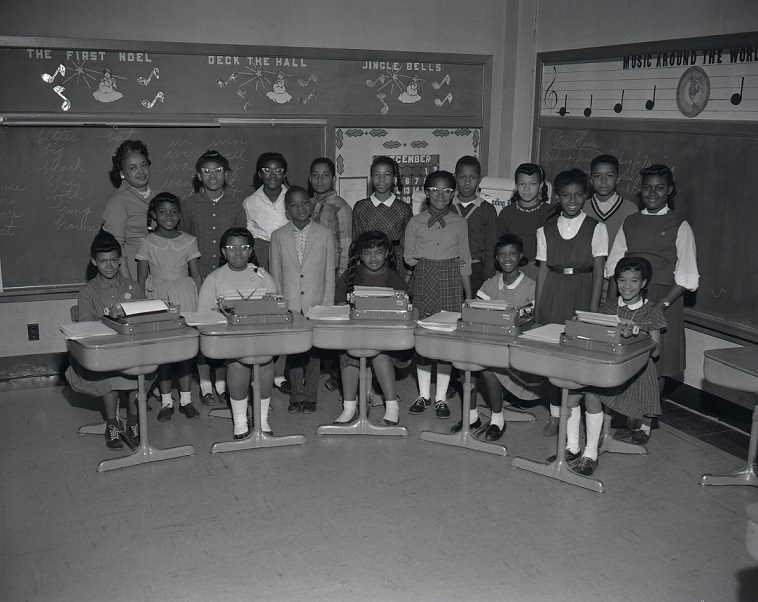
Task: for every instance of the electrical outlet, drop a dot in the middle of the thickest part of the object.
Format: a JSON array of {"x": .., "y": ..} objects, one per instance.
[{"x": 33, "y": 330}]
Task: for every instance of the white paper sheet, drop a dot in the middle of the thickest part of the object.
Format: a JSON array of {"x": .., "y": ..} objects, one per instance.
[
  {"x": 82, "y": 330},
  {"x": 329, "y": 312},
  {"x": 134, "y": 308}
]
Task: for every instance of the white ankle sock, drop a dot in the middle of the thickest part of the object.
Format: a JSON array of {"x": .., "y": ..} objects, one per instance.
[
  {"x": 473, "y": 416},
  {"x": 348, "y": 410},
  {"x": 239, "y": 415},
  {"x": 166, "y": 400},
  {"x": 424, "y": 374},
  {"x": 555, "y": 411},
  {"x": 572, "y": 430},
  {"x": 278, "y": 380},
  {"x": 185, "y": 397},
  {"x": 594, "y": 426},
  {"x": 391, "y": 410},
  {"x": 498, "y": 419},
  {"x": 265, "y": 403},
  {"x": 443, "y": 380},
  {"x": 204, "y": 372}
]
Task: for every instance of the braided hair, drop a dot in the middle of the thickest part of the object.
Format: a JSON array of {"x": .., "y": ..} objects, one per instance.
[{"x": 529, "y": 169}]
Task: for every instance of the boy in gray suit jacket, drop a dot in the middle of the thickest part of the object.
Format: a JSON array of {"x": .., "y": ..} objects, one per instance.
[{"x": 302, "y": 261}]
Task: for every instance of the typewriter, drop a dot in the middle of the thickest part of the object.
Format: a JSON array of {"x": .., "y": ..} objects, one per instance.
[
  {"x": 379, "y": 303},
  {"x": 601, "y": 332},
  {"x": 254, "y": 309},
  {"x": 494, "y": 317},
  {"x": 152, "y": 315}
]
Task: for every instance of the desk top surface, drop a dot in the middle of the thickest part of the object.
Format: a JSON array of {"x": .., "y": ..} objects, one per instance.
[
  {"x": 744, "y": 359},
  {"x": 363, "y": 324},
  {"x": 298, "y": 324},
  {"x": 466, "y": 336},
  {"x": 118, "y": 340}
]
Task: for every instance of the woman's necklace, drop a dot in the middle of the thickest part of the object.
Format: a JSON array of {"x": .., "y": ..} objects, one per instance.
[
  {"x": 527, "y": 210},
  {"x": 145, "y": 194}
]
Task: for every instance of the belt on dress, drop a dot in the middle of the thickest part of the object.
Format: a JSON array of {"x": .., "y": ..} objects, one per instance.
[{"x": 570, "y": 271}]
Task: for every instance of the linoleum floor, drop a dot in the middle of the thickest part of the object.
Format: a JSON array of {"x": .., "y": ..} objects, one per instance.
[{"x": 356, "y": 518}]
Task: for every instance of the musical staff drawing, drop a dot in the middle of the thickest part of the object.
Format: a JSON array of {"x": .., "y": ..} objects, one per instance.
[{"x": 719, "y": 91}]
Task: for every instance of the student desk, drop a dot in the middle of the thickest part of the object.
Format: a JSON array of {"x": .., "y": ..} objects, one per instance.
[
  {"x": 363, "y": 339},
  {"x": 572, "y": 368},
  {"x": 137, "y": 354},
  {"x": 735, "y": 368},
  {"x": 255, "y": 344},
  {"x": 469, "y": 352}
]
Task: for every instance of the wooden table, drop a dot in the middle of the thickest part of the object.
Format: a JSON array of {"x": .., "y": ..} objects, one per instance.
[
  {"x": 363, "y": 339},
  {"x": 735, "y": 368},
  {"x": 255, "y": 344},
  {"x": 137, "y": 354},
  {"x": 469, "y": 352},
  {"x": 572, "y": 368}
]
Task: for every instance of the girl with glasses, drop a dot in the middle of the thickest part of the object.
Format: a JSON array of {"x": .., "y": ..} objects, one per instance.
[
  {"x": 436, "y": 244},
  {"x": 265, "y": 207},
  {"x": 240, "y": 275}
]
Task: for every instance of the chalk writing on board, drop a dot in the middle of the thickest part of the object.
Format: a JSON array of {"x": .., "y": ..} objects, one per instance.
[{"x": 9, "y": 213}]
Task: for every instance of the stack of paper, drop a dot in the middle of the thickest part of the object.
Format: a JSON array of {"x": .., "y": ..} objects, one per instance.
[
  {"x": 446, "y": 321},
  {"x": 489, "y": 304},
  {"x": 550, "y": 333},
  {"x": 329, "y": 312},
  {"x": 81, "y": 330},
  {"x": 600, "y": 319},
  {"x": 135, "y": 308},
  {"x": 203, "y": 318},
  {"x": 373, "y": 291}
]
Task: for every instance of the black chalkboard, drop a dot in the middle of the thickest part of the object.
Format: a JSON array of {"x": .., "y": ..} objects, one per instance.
[
  {"x": 54, "y": 184},
  {"x": 716, "y": 184}
]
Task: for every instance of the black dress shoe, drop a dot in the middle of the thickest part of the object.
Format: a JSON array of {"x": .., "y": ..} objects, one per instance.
[
  {"x": 284, "y": 387},
  {"x": 244, "y": 435},
  {"x": 493, "y": 432},
  {"x": 295, "y": 407},
  {"x": 309, "y": 407},
  {"x": 459, "y": 425}
]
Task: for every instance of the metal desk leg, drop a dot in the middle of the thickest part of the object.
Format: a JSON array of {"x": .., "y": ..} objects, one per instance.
[
  {"x": 257, "y": 438},
  {"x": 362, "y": 425},
  {"x": 464, "y": 437},
  {"x": 558, "y": 468},
  {"x": 745, "y": 476},
  {"x": 145, "y": 452},
  {"x": 614, "y": 446}
]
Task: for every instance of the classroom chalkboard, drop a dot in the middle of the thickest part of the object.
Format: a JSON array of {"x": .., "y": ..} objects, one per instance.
[
  {"x": 54, "y": 185},
  {"x": 716, "y": 184}
]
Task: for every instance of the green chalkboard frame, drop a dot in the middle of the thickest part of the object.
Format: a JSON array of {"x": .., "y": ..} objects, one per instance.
[{"x": 697, "y": 320}]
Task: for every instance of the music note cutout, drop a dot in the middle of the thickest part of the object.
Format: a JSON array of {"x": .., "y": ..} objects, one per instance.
[
  {"x": 737, "y": 96},
  {"x": 385, "y": 109},
  {"x": 59, "y": 90},
  {"x": 223, "y": 84},
  {"x": 562, "y": 111},
  {"x": 551, "y": 96},
  {"x": 441, "y": 101},
  {"x": 143, "y": 82},
  {"x": 304, "y": 82},
  {"x": 588, "y": 110},
  {"x": 619, "y": 106},
  {"x": 438, "y": 85},
  {"x": 651, "y": 103},
  {"x": 371, "y": 84},
  {"x": 149, "y": 104},
  {"x": 49, "y": 78}
]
